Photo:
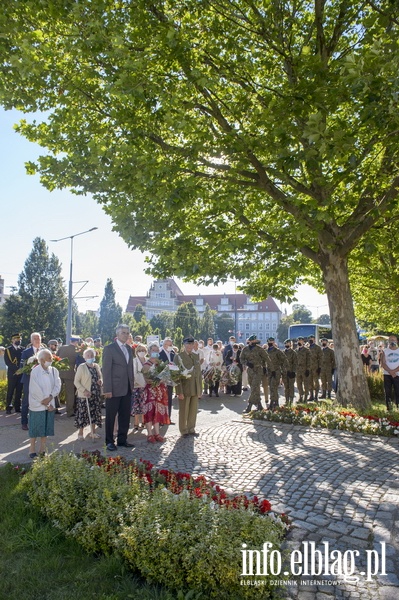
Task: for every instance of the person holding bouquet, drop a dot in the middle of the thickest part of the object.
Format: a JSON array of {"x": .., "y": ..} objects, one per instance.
[
  {"x": 88, "y": 383},
  {"x": 138, "y": 394},
  {"x": 44, "y": 386},
  {"x": 155, "y": 408},
  {"x": 215, "y": 363}
]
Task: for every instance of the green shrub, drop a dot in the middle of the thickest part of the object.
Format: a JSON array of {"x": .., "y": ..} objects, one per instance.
[
  {"x": 190, "y": 545},
  {"x": 83, "y": 501},
  {"x": 375, "y": 381},
  {"x": 186, "y": 543},
  {"x": 3, "y": 394}
]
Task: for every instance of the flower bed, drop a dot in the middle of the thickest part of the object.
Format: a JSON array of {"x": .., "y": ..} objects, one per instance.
[
  {"x": 330, "y": 418},
  {"x": 183, "y": 532}
]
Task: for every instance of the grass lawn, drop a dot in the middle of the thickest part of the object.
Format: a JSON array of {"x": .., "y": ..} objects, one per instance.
[{"x": 39, "y": 563}]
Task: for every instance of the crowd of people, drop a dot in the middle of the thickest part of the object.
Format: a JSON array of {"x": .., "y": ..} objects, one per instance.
[{"x": 120, "y": 379}]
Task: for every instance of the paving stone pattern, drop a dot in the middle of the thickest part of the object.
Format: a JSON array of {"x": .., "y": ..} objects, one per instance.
[{"x": 338, "y": 487}]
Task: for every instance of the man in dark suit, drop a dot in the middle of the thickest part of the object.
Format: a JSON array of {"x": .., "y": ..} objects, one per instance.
[
  {"x": 12, "y": 358},
  {"x": 167, "y": 354},
  {"x": 32, "y": 350},
  {"x": 118, "y": 383},
  {"x": 69, "y": 351}
]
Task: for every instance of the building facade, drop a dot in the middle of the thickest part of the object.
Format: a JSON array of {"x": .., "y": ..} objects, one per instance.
[{"x": 261, "y": 318}]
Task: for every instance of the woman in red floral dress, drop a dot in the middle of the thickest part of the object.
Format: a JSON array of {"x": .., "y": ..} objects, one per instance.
[{"x": 155, "y": 407}]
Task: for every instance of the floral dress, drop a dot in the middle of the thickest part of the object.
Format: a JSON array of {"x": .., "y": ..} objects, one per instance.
[
  {"x": 155, "y": 407},
  {"x": 94, "y": 402}
]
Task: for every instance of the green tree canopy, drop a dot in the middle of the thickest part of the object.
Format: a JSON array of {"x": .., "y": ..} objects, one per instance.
[
  {"x": 207, "y": 323},
  {"x": 282, "y": 329},
  {"x": 110, "y": 313},
  {"x": 187, "y": 318},
  {"x": 301, "y": 314},
  {"x": 267, "y": 131},
  {"x": 164, "y": 322},
  {"x": 224, "y": 327},
  {"x": 139, "y": 312},
  {"x": 40, "y": 302},
  {"x": 323, "y": 320}
]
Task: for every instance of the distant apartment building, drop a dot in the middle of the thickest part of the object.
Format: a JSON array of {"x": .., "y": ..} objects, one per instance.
[{"x": 261, "y": 318}]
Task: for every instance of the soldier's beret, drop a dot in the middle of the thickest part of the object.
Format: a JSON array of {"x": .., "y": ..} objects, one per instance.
[
  {"x": 324, "y": 340},
  {"x": 300, "y": 337},
  {"x": 286, "y": 341},
  {"x": 312, "y": 337},
  {"x": 52, "y": 342},
  {"x": 188, "y": 340},
  {"x": 253, "y": 338},
  {"x": 270, "y": 339}
]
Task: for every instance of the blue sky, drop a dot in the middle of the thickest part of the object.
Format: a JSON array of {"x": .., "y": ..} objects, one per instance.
[{"x": 28, "y": 210}]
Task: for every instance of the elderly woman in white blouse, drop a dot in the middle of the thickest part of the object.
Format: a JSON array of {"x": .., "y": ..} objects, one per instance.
[{"x": 44, "y": 386}]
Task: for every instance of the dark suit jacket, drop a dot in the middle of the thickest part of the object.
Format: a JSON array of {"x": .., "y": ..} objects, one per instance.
[
  {"x": 163, "y": 356},
  {"x": 27, "y": 353},
  {"x": 117, "y": 373},
  {"x": 68, "y": 351},
  {"x": 12, "y": 358}
]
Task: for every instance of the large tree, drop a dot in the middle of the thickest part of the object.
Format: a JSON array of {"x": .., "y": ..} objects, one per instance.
[
  {"x": 39, "y": 303},
  {"x": 187, "y": 318},
  {"x": 255, "y": 140},
  {"x": 207, "y": 323},
  {"x": 110, "y": 313}
]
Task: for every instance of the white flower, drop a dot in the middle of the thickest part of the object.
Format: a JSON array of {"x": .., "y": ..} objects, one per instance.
[{"x": 31, "y": 359}]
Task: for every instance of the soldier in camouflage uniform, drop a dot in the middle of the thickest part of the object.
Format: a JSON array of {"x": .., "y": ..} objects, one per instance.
[
  {"x": 255, "y": 359},
  {"x": 315, "y": 368},
  {"x": 278, "y": 367},
  {"x": 303, "y": 369},
  {"x": 327, "y": 368},
  {"x": 289, "y": 377}
]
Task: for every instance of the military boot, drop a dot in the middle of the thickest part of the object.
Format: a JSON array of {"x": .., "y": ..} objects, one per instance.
[
  {"x": 323, "y": 395},
  {"x": 259, "y": 406},
  {"x": 311, "y": 398},
  {"x": 247, "y": 409},
  {"x": 329, "y": 395}
]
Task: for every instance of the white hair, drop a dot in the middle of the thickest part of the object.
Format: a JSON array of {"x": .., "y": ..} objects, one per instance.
[
  {"x": 34, "y": 334},
  {"x": 89, "y": 351},
  {"x": 42, "y": 353},
  {"x": 122, "y": 326}
]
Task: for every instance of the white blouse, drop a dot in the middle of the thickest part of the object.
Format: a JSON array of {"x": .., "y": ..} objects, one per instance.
[{"x": 43, "y": 383}]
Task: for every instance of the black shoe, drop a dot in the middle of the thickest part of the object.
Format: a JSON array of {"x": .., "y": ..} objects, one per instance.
[
  {"x": 126, "y": 445},
  {"x": 25, "y": 427},
  {"x": 17, "y": 411},
  {"x": 8, "y": 412},
  {"x": 111, "y": 447},
  {"x": 194, "y": 433},
  {"x": 247, "y": 410},
  {"x": 244, "y": 389},
  {"x": 186, "y": 435},
  {"x": 32, "y": 455}
]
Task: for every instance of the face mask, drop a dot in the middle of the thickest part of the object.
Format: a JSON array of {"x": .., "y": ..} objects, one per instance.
[
  {"x": 90, "y": 361},
  {"x": 142, "y": 354},
  {"x": 18, "y": 343},
  {"x": 270, "y": 344},
  {"x": 300, "y": 345},
  {"x": 47, "y": 364},
  {"x": 392, "y": 343},
  {"x": 287, "y": 346},
  {"x": 324, "y": 344},
  {"x": 154, "y": 354}
]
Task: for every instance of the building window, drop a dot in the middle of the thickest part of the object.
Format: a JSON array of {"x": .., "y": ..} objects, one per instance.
[
  {"x": 246, "y": 325},
  {"x": 160, "y": 295}
]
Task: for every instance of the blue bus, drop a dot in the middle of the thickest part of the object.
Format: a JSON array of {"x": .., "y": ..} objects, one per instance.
[{"x": 307, "y": 329}]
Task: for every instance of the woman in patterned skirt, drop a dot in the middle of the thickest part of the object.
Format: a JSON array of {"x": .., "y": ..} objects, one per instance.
[
  {"x": 88, "y": 382},
  {"x": 138, "y": 394},
  {"x": 155, "y": 409}
]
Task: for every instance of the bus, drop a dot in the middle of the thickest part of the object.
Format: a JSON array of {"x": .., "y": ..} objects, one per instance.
[{"x": 307, "y": 329}]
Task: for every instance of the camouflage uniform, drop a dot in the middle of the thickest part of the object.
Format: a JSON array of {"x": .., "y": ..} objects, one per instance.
[
  {"x": 278, "y": 367},
  {"x": 327, "y": 370},
  {"x": 315, "y": 368},
  {"x": 289, "y": 376},
  {"x": 255, "y": 358},
  {"x": 302, "y": 372}
]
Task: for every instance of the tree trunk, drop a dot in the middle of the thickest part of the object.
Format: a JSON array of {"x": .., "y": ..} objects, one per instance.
[{"x": 352, "y": 383}]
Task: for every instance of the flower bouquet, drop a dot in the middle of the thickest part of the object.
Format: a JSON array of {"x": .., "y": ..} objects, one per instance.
[
  {"x": 167, "y": 373},
  {"x": 61, "y": 364},
  {"x": 234, "y": 374},
  {"x": 212, "y": 375}
]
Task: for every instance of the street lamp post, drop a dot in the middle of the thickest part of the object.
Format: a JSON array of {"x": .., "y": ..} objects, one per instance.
[{"x": 70, "y": 297}]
